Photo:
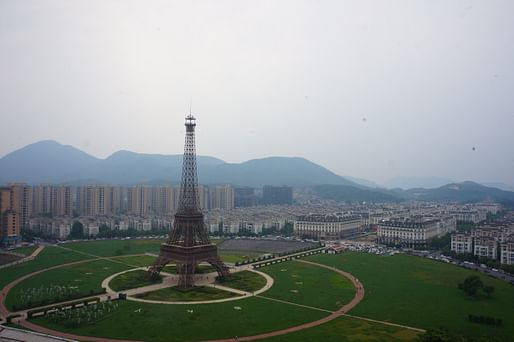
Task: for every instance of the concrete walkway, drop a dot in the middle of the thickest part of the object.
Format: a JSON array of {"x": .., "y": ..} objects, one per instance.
[
  {"x": 387, "y": 323},
  {"x": 37, "y": 251},
  {"x": 170, "y": 280}
]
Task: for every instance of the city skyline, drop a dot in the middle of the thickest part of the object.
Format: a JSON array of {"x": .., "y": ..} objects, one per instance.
[{"x": 368, "y": 90}]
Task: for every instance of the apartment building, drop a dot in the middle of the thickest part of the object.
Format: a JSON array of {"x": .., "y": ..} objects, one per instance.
[
  {"x": 462, "y": 243},
  {"x": 327, "y": 227}
]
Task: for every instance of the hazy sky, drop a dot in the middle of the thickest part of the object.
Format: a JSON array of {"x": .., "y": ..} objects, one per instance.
[{"x": 372, "y": 89}]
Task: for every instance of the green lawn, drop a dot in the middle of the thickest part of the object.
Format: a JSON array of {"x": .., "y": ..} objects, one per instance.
[
  {"x": 347, "y": 329},
  {"x": 131, "y": 280},
  {"x": 308, "y": 285},
  {"x": 174, "y": 294},
  {"x": 137, "y": 261},
  {"x": 154, "y": 322},
  {"x": 25, "y": 250},
  {"x": 50, "y": 256},
  {"x": 80, "y": 280},
  {"x": 244, "y": 281},
  {"x": 423, "y": 293},
  {"x": 107, "y": 248}
]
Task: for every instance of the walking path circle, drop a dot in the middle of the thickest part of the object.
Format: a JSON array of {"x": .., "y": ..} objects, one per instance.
[
  {"x": 359, "y": 295},
  {"x": 172, "y": 280}
]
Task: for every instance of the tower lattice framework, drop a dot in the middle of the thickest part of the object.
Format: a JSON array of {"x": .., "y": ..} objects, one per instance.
[{"x": 188, "y": 243}]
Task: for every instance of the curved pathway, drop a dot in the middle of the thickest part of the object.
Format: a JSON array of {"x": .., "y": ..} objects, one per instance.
[
  {"x": 3, "y": 293},
  {"x": 359, "y": 295},
  {"x": 4, "y": 312},
  {"x": 171, "y": 280}
]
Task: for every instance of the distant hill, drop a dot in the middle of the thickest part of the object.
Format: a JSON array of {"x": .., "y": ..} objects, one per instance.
[
  {"x": 342, "y": 193},
  {"x": 459, "y": 192},
  {"x": 272, "y": 171},
  {"x": 364, "y": 182},
  {"x": 45, "y": 161},
  {"x": 51, "y": 162},
  {"x": 417, "y": 182}
]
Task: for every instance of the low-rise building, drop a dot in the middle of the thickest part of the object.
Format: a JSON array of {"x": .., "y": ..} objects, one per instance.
[
  {"x": 473, "y": 216},
  {"x": 327, "y": 227},
  {"x": 408, "y": 232},
  {"x": 462, "y": 243},
  {"x": 90, "y": 229},
  {"x": 485, "y": 247},
  {"x": 507, "y": 253}
]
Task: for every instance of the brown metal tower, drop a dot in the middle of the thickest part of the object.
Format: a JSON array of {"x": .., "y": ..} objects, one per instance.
[{"x": 188, "y": 243}]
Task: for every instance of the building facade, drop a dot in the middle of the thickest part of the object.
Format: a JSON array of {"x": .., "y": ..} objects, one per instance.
[
  {"x": 327, "y": 227},
  {"x": 507, "y": 253},
  {"x": 408, "y": 233},
  {"x": 277, "y": 195},
  {"x": 485, "y": 247},
  {"x": 10, "y": 218},
  {"x": 93, "y": 200},
  {"x": 244, "y": 197},
  {"x": 52, "y": 200},
  {"x": 462, "y": 243}
]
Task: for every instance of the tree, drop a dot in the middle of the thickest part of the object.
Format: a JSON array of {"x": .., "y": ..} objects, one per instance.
[
  {"x": 288, "y": 229},
  {"x": 471, "y": 285},
  {"x": 77, "y": 230},
  {"x": 488, "y": 290}
]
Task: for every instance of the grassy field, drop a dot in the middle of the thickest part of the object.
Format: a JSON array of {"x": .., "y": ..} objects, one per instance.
[
  {"x": 25, "y": 250},
  {"x": 174, "y": 294},
  {"x": 154, "y": 322},
  {"x": 137, "y": 261},
  {"x": 108, "y": 248},
  {"x": 347, "y": 329},
  {"x": 423, "y": 293},
  {"x": 131, "y": 280},
  {"x": 244, "y": 281},
  {"x": 84, "y": 278},
  {"x": 308, "y": 285},
  {"x": 50, "y": 256}
]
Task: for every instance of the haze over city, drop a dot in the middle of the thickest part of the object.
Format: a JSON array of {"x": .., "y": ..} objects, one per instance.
[{"x": 368, "y": 89}]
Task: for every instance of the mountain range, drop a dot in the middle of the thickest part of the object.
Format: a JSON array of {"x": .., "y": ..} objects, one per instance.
[{"x": 51, "y": 162}]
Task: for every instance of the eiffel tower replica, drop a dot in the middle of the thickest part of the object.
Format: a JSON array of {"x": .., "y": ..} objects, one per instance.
[{"x": 188, "y": 243}]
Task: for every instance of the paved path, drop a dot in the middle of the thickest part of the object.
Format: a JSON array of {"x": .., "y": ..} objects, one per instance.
[
  {"x": 37, "y": 251},
  {"x": 47, "y": 331},
  {"x": 170, "y": 280},
  {"x": 295, "y": 304},
  {"x": 387, "y": 323}
]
